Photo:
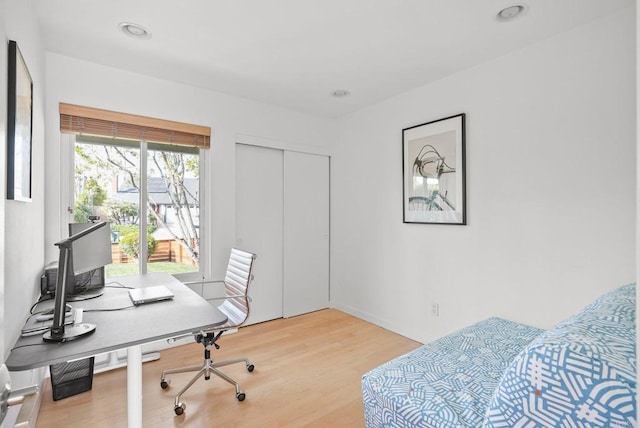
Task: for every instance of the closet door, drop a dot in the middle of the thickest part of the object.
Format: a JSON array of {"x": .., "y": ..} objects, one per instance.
[
  {"x": 259, "y": 202},
  {"x": 306, "y": 233}
]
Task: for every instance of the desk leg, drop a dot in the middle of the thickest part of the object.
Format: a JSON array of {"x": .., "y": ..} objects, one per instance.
[{"x": 134, "y": 387}]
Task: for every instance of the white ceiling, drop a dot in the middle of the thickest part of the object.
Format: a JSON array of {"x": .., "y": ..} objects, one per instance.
[{"x": 294, "y": 53}]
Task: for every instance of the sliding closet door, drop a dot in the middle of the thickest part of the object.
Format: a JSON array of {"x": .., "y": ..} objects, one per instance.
[
  {"x": 306, "y": 233},
  {"x": 282, "y": 210},
  {"x": 259, "y": 202}
]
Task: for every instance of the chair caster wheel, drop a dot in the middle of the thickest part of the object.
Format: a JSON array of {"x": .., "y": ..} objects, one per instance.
[
  {"x": 179, "y": 409},
  {"x": 164, "y": 384},
  {"x": 250, "y": 367},
  {"x": 240, "y": 396}
]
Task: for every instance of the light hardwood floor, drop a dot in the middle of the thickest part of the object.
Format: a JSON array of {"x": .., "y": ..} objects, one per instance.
[{"x": 308, "y": 373}]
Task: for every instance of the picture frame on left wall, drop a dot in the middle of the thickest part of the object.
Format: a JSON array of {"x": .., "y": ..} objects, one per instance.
[{"x": 19, "y": 126}]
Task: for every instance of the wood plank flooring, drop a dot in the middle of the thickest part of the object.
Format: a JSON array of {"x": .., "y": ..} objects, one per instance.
[{"x": 308, "y": 373}]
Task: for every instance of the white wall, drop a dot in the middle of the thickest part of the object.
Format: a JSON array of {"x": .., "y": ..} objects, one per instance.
[
  {"x": 550, "y": 190},
  {"x": 3, "y": 133},
  {"x": 22, "y": 234},
  {"x": 80, "y": 82}
]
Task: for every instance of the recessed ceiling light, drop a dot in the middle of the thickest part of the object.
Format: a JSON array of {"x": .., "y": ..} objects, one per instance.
[
  {"x": 135, "y": 30},
  {"x": 510, "y": 12},
  {"x": 339, "y": 93}
]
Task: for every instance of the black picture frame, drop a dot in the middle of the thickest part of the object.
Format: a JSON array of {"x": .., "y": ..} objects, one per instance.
[
  {"x": 19, "y": 127},
  {"x": 433, "y": 168}
]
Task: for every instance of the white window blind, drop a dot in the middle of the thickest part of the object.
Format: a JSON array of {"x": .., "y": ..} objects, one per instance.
[{"x": 91, "y": 121}]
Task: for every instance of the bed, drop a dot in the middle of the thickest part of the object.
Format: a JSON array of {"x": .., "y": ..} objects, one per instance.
[{"x": 502, "y": 374}]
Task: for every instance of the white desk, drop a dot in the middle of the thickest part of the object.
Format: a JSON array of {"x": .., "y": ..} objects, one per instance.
[{"x": 123, "y": 329}]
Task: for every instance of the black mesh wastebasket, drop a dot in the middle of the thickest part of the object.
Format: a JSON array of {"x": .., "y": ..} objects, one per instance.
[{"x": 71, "y": 378}]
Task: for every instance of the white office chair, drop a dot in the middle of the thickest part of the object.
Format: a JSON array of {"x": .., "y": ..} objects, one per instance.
[{"x": 236, "y": 307}]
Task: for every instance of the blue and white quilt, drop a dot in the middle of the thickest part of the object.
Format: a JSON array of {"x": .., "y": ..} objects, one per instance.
[
  {"x": 581, "y": 373},
  {"x": 447, "y": 383}
]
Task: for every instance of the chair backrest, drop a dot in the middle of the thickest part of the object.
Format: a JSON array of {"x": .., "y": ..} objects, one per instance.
[{"x": 236, "y": 284}]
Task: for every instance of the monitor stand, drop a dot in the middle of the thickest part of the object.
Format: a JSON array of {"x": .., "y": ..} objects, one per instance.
[
  {"x": 75, "y": 331},
  {"x": 71, "y": 332}
]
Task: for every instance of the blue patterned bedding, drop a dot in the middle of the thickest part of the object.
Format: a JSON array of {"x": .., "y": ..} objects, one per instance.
[
  {"x": 447, "y": 383},
  {"x": 581, "y": 373},
  {"x": 500, "y": 374}
]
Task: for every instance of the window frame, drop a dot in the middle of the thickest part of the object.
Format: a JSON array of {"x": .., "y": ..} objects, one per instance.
[{"x": 67, "y": 177}]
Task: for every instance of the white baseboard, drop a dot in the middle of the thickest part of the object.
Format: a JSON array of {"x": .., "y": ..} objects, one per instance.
[{"x": 368, "y": 317}]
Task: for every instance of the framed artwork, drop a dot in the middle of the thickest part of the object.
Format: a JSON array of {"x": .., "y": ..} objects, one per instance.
[
  {"x": 433, "y": 166},
  {"x": 19, "y": 118}
]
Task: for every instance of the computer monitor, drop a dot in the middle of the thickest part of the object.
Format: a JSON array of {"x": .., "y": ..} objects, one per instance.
[
  {"x": 81, "y": 252},
  {"x": 89, "y": 260}
]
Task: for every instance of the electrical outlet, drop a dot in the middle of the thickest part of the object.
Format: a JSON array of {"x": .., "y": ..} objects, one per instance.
[{"x": 435, "y": 309}]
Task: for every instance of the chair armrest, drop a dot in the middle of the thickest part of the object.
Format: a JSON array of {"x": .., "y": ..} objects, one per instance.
[
  {"x": 211, "y": 281},
  {"x": 239, "y": 296}
]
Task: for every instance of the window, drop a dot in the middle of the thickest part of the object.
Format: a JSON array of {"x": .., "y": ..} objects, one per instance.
[{"x": 115, "y": 175}]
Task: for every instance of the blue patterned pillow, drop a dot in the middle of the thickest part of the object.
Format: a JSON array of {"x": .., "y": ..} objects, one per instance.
[{"x": 581, "y": 373}]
